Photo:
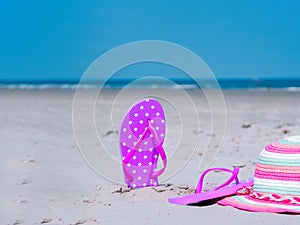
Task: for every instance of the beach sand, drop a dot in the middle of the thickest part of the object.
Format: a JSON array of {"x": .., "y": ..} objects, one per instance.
[{"x": 45, "y": 180}]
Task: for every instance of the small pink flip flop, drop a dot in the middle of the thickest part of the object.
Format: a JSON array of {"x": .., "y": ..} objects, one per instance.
[
  {"x": 142, "y": 134},
  {"x": 226, "y": 189}
]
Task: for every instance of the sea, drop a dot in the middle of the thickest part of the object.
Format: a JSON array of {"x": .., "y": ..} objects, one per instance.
[{"x": 289, "y": 84}]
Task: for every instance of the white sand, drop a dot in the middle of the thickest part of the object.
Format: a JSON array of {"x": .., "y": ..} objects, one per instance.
[{"x": 44, "y": 179}]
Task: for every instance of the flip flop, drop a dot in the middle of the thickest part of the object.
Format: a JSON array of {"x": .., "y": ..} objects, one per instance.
[
  {"x": 142, "y": 134},
  {"x": 226, "y": 189}
]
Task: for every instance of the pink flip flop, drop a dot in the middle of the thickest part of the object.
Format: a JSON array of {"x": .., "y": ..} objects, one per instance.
[
  {"x": 226, "y": 189},
  {"x": 142, "y": 134}
]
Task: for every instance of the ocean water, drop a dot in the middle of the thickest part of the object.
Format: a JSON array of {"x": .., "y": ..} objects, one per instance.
[{"x": 292, "y": 84}]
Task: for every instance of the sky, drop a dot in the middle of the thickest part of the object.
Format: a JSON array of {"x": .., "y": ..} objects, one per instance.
[{"x": 58, "y": 40}]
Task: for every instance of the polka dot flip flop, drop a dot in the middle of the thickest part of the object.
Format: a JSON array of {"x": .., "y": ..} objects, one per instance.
[{"x": 142, "y": 134}]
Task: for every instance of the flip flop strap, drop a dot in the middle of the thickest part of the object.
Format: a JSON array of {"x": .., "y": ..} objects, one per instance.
[
  {"x": 158, "y": 146},
  {"x": 161, "y": 152},
  {"x": 234, "y": 176}
]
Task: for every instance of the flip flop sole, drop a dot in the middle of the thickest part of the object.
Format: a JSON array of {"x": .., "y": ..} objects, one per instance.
[
  {"x": 209, "y": 195},
  {"x": 140, "y": 167}
]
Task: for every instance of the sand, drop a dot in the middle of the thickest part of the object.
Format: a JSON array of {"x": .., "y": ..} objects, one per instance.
[{"x": 45, "y": 180}]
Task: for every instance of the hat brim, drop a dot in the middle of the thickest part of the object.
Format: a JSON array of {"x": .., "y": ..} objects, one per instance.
[{"x": 245, "y": 202}]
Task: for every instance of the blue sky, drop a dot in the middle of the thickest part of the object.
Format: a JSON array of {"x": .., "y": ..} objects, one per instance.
[{"x": 53, "y": 39}]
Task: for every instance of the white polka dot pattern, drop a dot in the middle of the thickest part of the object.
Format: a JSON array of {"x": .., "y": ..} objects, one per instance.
[{"x": 144, "y": 161}]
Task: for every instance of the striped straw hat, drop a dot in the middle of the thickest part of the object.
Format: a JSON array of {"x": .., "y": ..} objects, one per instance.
[{"x": 276, "y": 180}]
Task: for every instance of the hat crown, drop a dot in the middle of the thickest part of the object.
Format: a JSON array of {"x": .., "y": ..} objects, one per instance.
[{"x": 278, "y": 168}]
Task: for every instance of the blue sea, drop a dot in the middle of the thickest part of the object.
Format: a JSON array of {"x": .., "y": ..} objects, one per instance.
[{"x": 291, "y": 84}]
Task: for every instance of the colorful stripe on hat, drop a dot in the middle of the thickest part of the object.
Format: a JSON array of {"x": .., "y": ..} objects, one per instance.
[
  {"x": 276, "y": 180},
  {"x": 255, "y": 205}
]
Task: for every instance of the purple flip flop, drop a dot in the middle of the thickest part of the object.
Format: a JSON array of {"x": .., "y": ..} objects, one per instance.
[
  {"x": 142, "y": 134},
  {"x": 226, "y": 189}
]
